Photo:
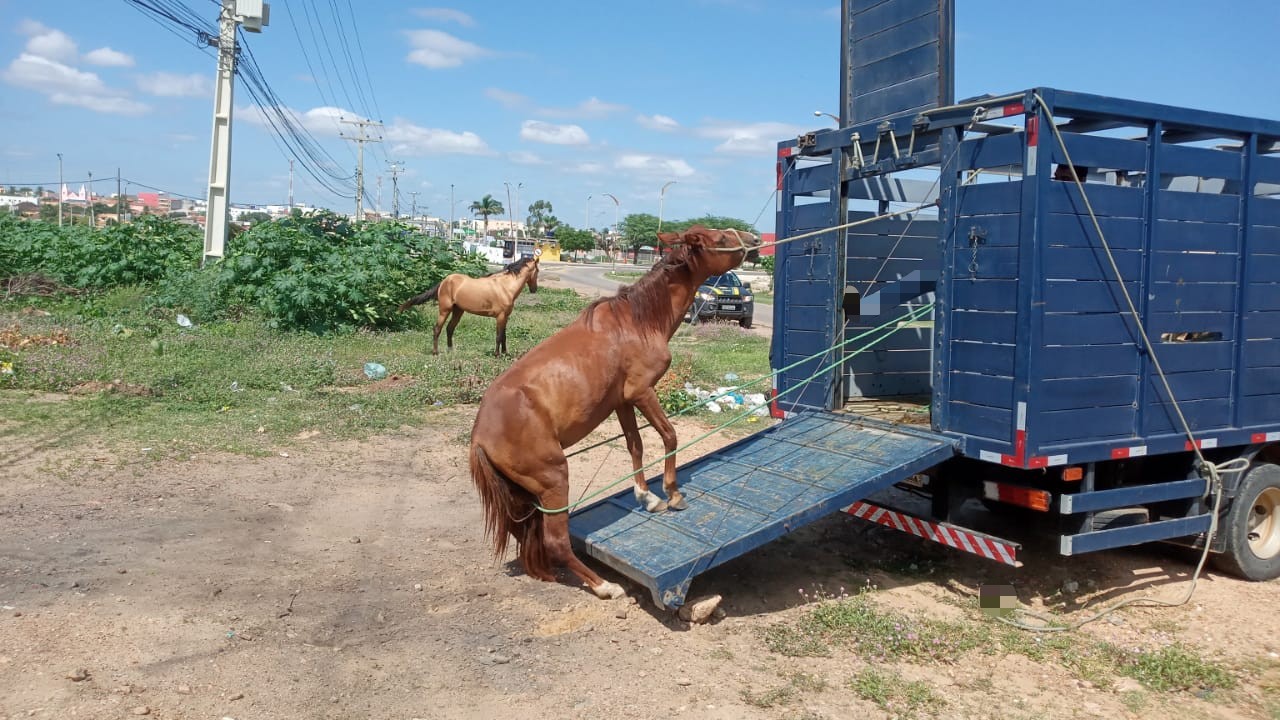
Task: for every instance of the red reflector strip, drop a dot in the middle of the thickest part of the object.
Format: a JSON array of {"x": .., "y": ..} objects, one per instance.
[
  {"x": 1014, "y": 109},
  {"x": 1033, "y": 131},
  {"x": 1203, "y": 444},
  {"x": 1264, "y": 437},
  {"x": 1128, "y": 452},
  {"x": 951, "y": 536},
  {"x": 788, "y": 151}
]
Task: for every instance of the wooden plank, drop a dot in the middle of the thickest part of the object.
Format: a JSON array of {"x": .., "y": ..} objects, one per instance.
[
  {"x": 970, "y": 294},
  {"x": 1193, "y": 267},
  {"x": 1087, "y": 296},
  {"x": 880, "y": 45},
  {"x": 995, "y": 231},
  {"x": 989, "y": 198},
  {"x": 992, "y": 263},
  {"x": 1201, "y": 415},
  {"x": 1107, "y": 200},
  {"x": 1096, "y": 152},
  {"x": 1078, "y": 263},
  {"x": 1261, "y": 353},
  {"x": 812, "y": 293},
  {"x": 808, "y": 217},
  {"x": 891, "y": 361},
  {"x": 1198, "y": 297},
  {"x": 1262, "y": 296},
  {"x": 1085, "y": 361},
  {"x": 1262, "y": 268},
  {"x": 1180, "y": 235},
  {"x": 1262, "y": 325},
  {"x": 1266, "y": 169},
  {"x": 992, "y": 151},
  {"x": 1201, "y": 162},
  {"x": 1265, "y": 211},
  {"x": 984, "y": 358},
  {"x": 1088, "y": 425},
  {"x": 1263, "y": 239},
  {"x": 866, "y": 245},
  {"x": 1202, "y": 385},
  {"x": 1078, "y": 231},
  {"x": 1176, "y": 357},
  {"x": 1260, "y": 410},
  {"x": 975, "y": 389},
  {"x": 1088, "y": 329},
  {"x": 1260, "y": 381},
  {"x": 1197, "y": 207},
  {"x": 980, "y": 421},
  {"x": 808, "y": 179},
  {"x": 1087, "y": 392},
  {"x": 978, "y": 326},
  {"x": 883, "y": 16},
  {"x": 862, "y": 270},
  {"x": 1191, "y": 322}
]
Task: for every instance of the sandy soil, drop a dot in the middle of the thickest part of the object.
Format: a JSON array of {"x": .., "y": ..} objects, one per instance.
[{"x": 351, "y": 580}]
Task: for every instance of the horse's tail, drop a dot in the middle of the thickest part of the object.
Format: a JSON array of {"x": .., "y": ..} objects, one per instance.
[
  {"x": 424, "y": 297},
  {"x": 506, "y": 515}
]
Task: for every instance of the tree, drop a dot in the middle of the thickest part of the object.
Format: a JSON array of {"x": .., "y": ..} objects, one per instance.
[
  {"x": 484, "y": 207},
  {"x": 575, "y": 240},
  {"x": 254, "y": 217},
  {"x": 638, "y": 230},
  {"x": 539, "y": 211}
]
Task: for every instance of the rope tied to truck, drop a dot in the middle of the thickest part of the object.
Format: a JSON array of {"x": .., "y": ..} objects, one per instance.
[{"x": 1211, "y": 471}]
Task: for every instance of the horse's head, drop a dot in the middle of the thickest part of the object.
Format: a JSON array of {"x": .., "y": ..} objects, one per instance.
[
  {"x": 710, "y": 251},
  {"x": 531, "y": 271}
]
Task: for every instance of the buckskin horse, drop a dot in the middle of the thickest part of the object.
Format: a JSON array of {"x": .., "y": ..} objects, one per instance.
[
  {"x": 606, "y": 361},
  {"x": 492, "y": 296}
]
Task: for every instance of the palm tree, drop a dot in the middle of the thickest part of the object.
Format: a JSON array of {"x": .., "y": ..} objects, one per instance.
[
  {"x": 485, "y": 207},
  {"x": 538, "y": 214}
]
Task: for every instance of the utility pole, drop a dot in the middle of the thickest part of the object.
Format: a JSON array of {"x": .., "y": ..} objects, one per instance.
[
  {"x": 397, "y": 167},
  {"x": 291, "y": 186},
  {"x": 451, "y": 206},
  {"x": 377, "y": 207},
  {"x": 518, "y": 186},
  {"x": 360, "y": 140},
  {"x": 413, "y": 213},
  {"x": 119, "y": 200},
  {"x": 253, "y": 15},
  {"x": 88, "y": 200},
  {"x": 510, "y": 213},
  {"x": 61, "y": 189}
]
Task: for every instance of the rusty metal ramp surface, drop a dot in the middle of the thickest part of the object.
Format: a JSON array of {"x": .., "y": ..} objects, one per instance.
[{"x": 751, "y": 492}]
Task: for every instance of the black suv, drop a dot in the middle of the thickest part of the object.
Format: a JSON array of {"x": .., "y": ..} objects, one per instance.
[{"x": 723, "y": 296}]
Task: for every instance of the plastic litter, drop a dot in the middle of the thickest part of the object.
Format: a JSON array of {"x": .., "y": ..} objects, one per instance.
[
  {"x": 731, "y": 377},
  {"x": 184, "y": 321},
  {"x": 374, "y": 371}
]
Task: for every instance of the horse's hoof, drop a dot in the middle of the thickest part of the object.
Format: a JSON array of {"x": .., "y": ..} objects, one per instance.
[
  {"x": 677, "y": 502},
  {"x": 651, "y": 503},
  {"x": 608, "y": 590}
]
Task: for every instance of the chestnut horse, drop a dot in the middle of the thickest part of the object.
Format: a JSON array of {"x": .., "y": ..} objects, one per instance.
[
  {"x": 606, "y": 361},
  {"x": 491, "y": 296}
]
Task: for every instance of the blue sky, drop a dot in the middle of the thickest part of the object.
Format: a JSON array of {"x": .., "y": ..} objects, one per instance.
[{"x": 570, "y": 99}]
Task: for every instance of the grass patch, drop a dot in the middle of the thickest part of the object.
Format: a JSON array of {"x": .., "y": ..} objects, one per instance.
[
  {"x": 1175, "y": 667},
  {"x": 797, "y": 684},
  {"x": 900, "y": 698},
  {"x": 626, "y": 276}
]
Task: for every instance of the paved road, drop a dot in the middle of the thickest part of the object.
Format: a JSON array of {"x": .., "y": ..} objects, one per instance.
[{"x": 591, "y": 280}]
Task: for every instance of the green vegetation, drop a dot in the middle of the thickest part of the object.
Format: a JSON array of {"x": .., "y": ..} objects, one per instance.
[
  {"x": 797, "y": 684},
  {"x": 901, "y": 698}
]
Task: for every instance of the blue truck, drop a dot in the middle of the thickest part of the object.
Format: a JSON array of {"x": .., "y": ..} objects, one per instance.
[{"x": 1083, "y": 294}]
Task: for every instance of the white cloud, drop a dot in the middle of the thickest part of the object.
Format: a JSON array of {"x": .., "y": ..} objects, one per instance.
[
  {"x": 175, "y": 85},
  {"x": 409, "y": 139},
  {"x": 47, "y": 42},
  {"x": 321, "y": 121},
  {"x": 592, "y": 107},
  {"x": 445, "y": 15},
  {"x": 586, "y": 168},
  {"x": 521, "y": 157},
  {"x": 759, "y": 138},
  {"x": 107, "y": 57},
  {"x": 661, "y": 123},
  {"x": 506, "y": 98},
  {"x": 437, "y": 50},
  {"x": 66, "y": 85},
  {"x": 543, "y": 132},
  {"x": 653, "y": 165}
]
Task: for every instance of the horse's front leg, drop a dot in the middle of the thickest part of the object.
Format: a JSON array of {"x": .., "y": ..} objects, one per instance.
[
  {"x": 652, "y": 409},
  {"x": 501, "y": 343},
  {"x": 635, "y": 446}
]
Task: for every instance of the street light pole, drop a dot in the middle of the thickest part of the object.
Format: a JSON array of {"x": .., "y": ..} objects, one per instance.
[
  {"x": 451, "y": 206},
  {"x": 661, "y": 195},
  {"x": 819, "y": 113},
  {"x": 61, "y": 185},
  {"x": 518, "y": 186},
  {"x": 510, "y": 212},
  {"x": 612, "y": 252}
]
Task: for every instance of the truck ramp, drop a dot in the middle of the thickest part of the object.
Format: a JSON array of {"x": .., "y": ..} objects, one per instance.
[{"x": 751, "y": 492}]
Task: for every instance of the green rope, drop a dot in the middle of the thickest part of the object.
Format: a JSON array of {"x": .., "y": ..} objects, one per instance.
[
  {"x": 737, "y": 388},
  {"x": 913, "y": 315}
]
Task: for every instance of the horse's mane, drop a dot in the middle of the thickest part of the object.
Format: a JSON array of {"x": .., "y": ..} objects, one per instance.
[
  {"x": 649, "y": 298},
  {"x": 514, "y": 268}
]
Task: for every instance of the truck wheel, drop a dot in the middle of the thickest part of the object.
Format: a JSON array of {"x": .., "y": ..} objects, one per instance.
[
  {"x": 745, "y": 322},
  {"x": 1251, "y": 527}
]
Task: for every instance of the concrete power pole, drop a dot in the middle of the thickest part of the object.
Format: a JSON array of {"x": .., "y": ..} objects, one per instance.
[
  {"x": 378, "y": 201},
  {"x": 290, "y": 186},
  {"x": 253, "y": 15},
  {"x": 360, "y": 139},
  {"x": 89, "y": 200},
  {"x": 397, "y": 167},
  {"x": 413, "y": 213}
]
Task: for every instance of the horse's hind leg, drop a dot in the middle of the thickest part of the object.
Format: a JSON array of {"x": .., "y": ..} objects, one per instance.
[
  {"x": 501, "y": 342},
  {"x": 652, "y": 409},
  {"x": 635, "y": 446},
  {"x": 555, "y": 533},
  {"x": 435, "y": 335},
  {"x": 453, "y": 323}
]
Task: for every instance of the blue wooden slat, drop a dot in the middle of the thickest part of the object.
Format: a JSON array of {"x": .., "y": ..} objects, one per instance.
[
  {"x": 871, "y": 17},
  {"x": 989, "y": 199},
  {"x": 987, "y": 390},
  {"x": 890, "y": 361},
  {"x": 999, "y": 295},
  {"x": 980, "y": 421},
  {"x": 1176, "y": 357},
  {"x": 1078, "y": 231},
  {"x": 1263, "y": 239},
  {"x": 1201, "y": 415},
  {"x": 1265, "y": 211},
  {"x": 1087, "y": 360},
  {"x": 1185, "y": 297},
  {"x": 993, "y": 151},
  {"x": 1092, "y": 151},
  {"x": 1193, "y": 267},
  {"x": 994, "y": 230},
  {"x": 1262, "y": 325},
  {"x": 860, "y": 270},
  {"x": 1201, "y": 162},
  {"x": 1086, "y": 296},
  {"x": 1266, "y": 169},
  {"x": 908, "y": 95},
  {"x": 1261, "y": 353},
  {"x": 885, "y": 384},
  {"x": 1107, "y": 200},
  {"x": 1077, "y": 263},
  {"x": 1178, "y": 235},
  {"x": 1198, "y": 207},
  {"x": 810, "y": 179},
  {"x": 1087, "y": 392},
  {"x": 1088, "y": 425},
  {"x": 1134, "y": 535},
  {"x": 1260, "y": 381},
  {"x": 879, "y": 45},
  {"x": 1075, "y": 503},
  {"x": 992, "y": 262},
  {"x": 908, "y": 65},
  {"x": 976, "y": 326},
  {"x": 1260, "y": 410},
  {"x": 1179, "y": 117},
  {"x": 1180, "y": 322},
  {"x": 984, "y": 358},
  {"x": 807, "y": 318},
  {"x": 1088, "y": 329},
  {"x": 1262, "y": 268},
  {"x": 812, "y": 216},
  {"x": 1203, "y": 385},
  {"x": 801, "y": 291}
]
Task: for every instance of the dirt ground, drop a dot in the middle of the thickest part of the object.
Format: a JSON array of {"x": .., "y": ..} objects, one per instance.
[{"x": 351, "y": 580}]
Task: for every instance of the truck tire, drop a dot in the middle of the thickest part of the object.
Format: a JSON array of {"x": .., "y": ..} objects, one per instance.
[
  {"x": 745, "y": 323},
  {"x": 1251, "y": 527}
]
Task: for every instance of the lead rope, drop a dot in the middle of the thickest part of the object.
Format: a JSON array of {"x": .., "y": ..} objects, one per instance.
[{"x": 1215, "y": 470}]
